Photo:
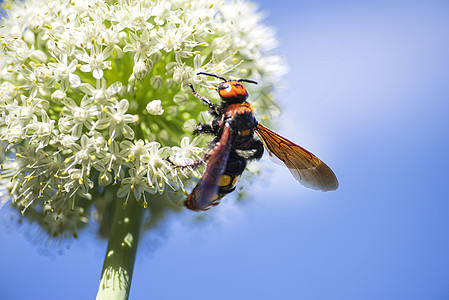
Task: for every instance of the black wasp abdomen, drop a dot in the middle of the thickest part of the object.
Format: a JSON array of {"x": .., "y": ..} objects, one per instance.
[{"x": 234, "y": 168}]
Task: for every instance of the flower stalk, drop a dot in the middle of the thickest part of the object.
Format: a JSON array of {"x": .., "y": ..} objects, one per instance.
[{"x": 115, "y": 282}]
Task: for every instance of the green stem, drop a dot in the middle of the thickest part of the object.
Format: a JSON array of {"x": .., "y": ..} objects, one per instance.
[{"x": 115, "y": 282}]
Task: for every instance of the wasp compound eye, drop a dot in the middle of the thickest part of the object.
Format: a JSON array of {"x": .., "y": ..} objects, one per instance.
[{"x": 227, "y": 87}]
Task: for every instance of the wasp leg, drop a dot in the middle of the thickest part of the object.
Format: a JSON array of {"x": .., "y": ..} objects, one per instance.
[
  {"x": 212, "y": 107},
  {"x": 207, "y": 129},
  {"x": 197, "y": 162},
  {"x": 204, "y": 129},
  {"x": 194, "y": 164},
  {"x": 255, "y": 145}
]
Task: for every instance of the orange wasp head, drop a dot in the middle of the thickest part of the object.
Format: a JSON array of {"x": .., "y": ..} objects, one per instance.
[{"x": 231, "y": 91}]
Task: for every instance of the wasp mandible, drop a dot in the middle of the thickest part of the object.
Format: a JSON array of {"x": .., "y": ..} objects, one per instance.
[{"x": 234, "y": 126}]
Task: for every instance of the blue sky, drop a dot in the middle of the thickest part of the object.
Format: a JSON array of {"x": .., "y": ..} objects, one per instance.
[{"x": 368, "y": 93}]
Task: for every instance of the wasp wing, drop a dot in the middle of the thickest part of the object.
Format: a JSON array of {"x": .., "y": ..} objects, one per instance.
[
  {"x": 308, "y": 169},
  {"x": 201, "y": 197}
]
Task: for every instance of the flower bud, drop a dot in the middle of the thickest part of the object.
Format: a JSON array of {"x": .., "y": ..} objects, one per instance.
[
  {"x": 142, "y": 68},
  {"x": 58, "y": 96},
  {"x": 180, "y": 98},
  {"x": 156, "y": 81},
  {"x": 155, "y": 107}
]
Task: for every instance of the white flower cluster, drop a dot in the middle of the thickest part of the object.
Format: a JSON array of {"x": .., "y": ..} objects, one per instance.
[{"x": 93, "y": 93}]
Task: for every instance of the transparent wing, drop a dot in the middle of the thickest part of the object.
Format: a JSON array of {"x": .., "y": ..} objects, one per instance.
[{"x": 308, "y": 169}]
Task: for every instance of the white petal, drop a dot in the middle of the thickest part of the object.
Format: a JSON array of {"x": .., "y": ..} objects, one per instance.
[
  {"x": 98, "y": 73},
  {"x": 75, "y": 80},
  {"x": 86, "y": 68}
]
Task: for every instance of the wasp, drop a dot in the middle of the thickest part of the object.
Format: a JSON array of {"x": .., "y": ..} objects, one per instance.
[{"x": 234, "y": 145}]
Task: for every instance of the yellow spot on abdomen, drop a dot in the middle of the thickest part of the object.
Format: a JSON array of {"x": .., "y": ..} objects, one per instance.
[{"x": 224, "y": 180}]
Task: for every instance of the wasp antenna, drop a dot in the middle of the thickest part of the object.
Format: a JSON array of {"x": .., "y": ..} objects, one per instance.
[
  {"x": 247, "y": 80},
  {"x": 213, "y": 75}
]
